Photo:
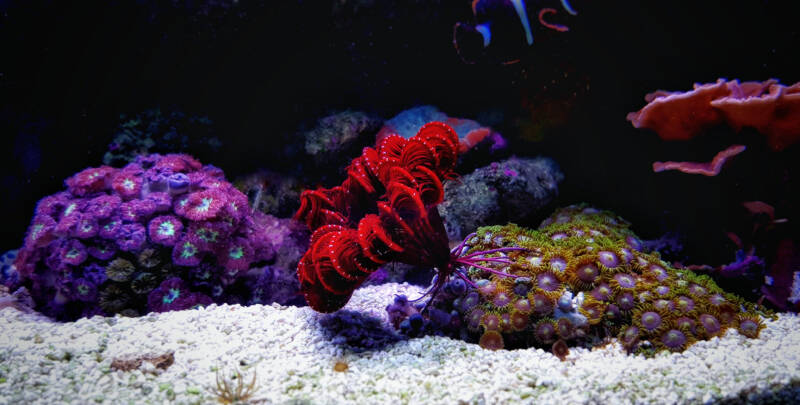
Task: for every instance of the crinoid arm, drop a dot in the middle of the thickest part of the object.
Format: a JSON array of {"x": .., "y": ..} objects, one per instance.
[{"x": 384, "y": 211}]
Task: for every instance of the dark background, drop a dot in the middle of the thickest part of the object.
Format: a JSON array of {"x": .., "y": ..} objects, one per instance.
[{"x": 262, "y": 69}]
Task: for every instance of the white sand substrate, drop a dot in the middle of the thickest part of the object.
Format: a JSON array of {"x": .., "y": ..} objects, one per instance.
[{"x": 43, "y": 362}]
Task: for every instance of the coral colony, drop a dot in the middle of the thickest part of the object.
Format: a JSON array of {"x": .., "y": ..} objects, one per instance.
[
  {"x": 579, "y": 279},
  {"x": 162, "y": 233}
]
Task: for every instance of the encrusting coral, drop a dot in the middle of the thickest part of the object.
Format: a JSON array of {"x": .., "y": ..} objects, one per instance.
[{"x": 579, "y": 279}]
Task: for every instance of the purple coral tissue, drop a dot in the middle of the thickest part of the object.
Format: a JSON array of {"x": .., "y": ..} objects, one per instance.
[{"x": 183, "y": 235}]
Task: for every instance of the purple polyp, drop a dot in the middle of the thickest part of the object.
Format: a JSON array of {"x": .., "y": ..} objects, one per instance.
[
  {"x": 626, "y": 254},
  {"x": 602, "y": 292},
  {"x": 456, "y": 287},
  {"x": 608, "y": 259},
  {"x": 84, "y": 290},
  {"x": 685, "y": 304},
  {"x": 545, "y": 331},
  {"x": 613, "y": 312},
  {"x": 659, "y": 272},
  {"x": 501, "y": 300},
  {"x": 710, "y": 323},
  {"x": 178, "y": 182},
  {"x": 716, "y": 300},
  {"x": 558, "y": 264},
  {"x": 102, "y": 250},
  {"x": 685, "y": 323},
  {"x": 162, "y": 201},
  {"x": 634, "y": 243},
  {"x": 95, "y": 273},
  {"x": 523, "y": 305},
  {"x": 626, "y": 301},
  {"x": 697, "y": 290},
  {"x": 673, "y": 339},
  {"x": 630, "y": 336},
  {"x": 625, "y": 281},
  {"x": 541, "y": 304},
  {"x": 132, "y": 237},
  {"x": 470, "y": 301},
  {"x": 664, "y": 305},
  {"x": 548, "y": 282},
  {"x": 651, "y": 320},
  {"x": 521, "y": 289},
  {"x": 748, "y": 327},
  {"x": 588, "y": 273}
]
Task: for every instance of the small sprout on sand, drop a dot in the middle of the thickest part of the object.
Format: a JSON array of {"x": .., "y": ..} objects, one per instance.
[
  {"x": 232, "y": 389},
  {"x": 340, "y": 366}
]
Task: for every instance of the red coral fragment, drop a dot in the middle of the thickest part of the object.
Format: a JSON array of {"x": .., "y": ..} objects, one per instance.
[
  {"x": 770, "y": 107},
  {"x": 677, "y": 116},
  {"x": 711, "y": 168},
  {"x": 776, "y": 113}
]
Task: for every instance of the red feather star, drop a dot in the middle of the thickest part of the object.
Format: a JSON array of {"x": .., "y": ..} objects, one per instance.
[{"x": 384, "y": 211}]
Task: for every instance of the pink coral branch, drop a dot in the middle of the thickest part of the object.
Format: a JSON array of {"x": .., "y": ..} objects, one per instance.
[{"x": 706, "y": 168}]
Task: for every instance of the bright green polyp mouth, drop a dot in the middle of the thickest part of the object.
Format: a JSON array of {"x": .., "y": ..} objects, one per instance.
[
  {"x": 205, "y": 204},
  {"x": 37, "y": 229},
  {"x": 166, "y": 228},
  {"x": 69, "y": 209},
  {"x": 171, "y": 296},
  {"x": 236, "y": 253},
  {"x": 207, "y": 235},
  {"x": 188, "y": 250}
]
